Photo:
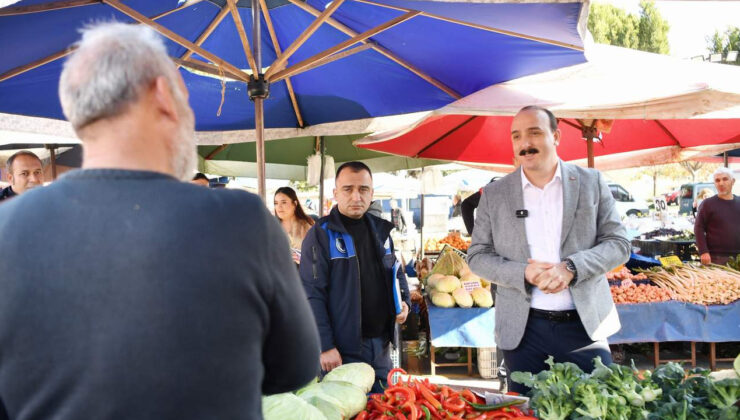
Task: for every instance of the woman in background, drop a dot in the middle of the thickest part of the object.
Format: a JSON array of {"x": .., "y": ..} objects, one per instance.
[
  {"x": 294, "y": 220},
  {"x": 703, "y": 195}
]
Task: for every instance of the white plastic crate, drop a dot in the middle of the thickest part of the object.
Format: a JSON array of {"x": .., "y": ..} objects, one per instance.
[{"x": 487, "y": 362}]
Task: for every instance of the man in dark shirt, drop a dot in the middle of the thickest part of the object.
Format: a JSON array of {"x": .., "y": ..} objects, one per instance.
[
  {"x": 140, "y": 307},
  {"x": 716, "y": 227},
  {"x": 354, "y": 283},
  {"x": 24, "y": 172}
]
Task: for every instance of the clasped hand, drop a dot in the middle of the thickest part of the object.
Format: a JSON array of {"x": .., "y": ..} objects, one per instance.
[{"x": 548, "y": 277}]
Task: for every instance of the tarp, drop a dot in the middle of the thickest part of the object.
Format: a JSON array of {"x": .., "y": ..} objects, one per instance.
[
  {"x": 461, "y": 327},
  {"x": 286, "y": 158},
  {"x": 665, "y": 109},
  {"x": 677, "y": 321}
]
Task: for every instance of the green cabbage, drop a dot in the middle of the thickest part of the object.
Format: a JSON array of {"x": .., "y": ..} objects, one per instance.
[
  {"x": 352, "y": 397},
  {"x": 288, "y": 406},
  {"x": 349, "y": 398},
  {"x": 330, "y": 411},
  {"x": 361, "y": 375}
]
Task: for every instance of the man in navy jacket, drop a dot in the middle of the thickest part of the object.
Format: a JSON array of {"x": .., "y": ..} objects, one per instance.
[{"x": 355, "y": 285}]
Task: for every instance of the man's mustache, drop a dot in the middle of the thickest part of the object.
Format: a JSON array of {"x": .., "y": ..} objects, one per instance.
[{"x": 531, "y": 151}]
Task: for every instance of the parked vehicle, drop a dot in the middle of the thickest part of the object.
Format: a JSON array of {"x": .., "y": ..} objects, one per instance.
[
  {"x": 626, "y": 204},
  {"x": 672, "y": 197},
  {"x": 689, "y": 193}
]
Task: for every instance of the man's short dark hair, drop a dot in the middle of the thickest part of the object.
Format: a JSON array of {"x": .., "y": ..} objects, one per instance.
[
  {"x": 354, "y": 166},
  {"x": 200, "y": 176},
  {"x": 550, "y": 115},
  {"x": 11, "y": 159}
]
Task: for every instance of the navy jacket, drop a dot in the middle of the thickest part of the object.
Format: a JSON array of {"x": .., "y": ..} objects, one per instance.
[{"x": 330, "y": 273}]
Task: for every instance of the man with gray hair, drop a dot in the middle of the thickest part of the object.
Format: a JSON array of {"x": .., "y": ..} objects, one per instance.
[
  {"x": 141, "y": 308},
  {"x": 716, "y": 227},
  {"x": 24, "y": 172}
]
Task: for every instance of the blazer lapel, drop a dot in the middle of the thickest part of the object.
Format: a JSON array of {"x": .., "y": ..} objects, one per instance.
[
  {"x": 571, "y": 187},
  {"x": 516, "y": 202}
]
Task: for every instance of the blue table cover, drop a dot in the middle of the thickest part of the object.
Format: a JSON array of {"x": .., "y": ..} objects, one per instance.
[
  {"x": 461, "y": 327},
  {"x": 677, "y": 321}
]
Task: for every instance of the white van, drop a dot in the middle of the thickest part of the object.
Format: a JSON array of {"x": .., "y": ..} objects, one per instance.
[{"x": 626, "y": 204}]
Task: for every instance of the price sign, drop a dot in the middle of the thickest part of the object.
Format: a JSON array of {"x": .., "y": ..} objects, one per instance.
[
  {"x": 471, "y": 285},
  {"x": 670, "y": 260},
  {"x": 660, "y": 205}
]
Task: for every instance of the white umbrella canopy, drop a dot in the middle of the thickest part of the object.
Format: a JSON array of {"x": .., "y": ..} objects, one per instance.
[{"x": 654, "y": 106}]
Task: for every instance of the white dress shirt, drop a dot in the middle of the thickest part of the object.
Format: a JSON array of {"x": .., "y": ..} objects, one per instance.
[{"x": 544, "y": 225}]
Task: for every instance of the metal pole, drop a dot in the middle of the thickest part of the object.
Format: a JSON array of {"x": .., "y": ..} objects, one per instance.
[
  {"x": 259, "y": 119},
  {"x": 725, "y": 160},
  {"x": 321, "y": 176}
]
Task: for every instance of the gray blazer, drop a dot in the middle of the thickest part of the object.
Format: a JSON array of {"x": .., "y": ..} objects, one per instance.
[{"x": 593, "y": 237}]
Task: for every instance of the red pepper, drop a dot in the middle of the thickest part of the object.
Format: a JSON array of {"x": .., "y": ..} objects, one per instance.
[
  {"x": 433, "y": 411},
  {"x": 361, "y": 416},
  {"x": 393, "y": 372},
  {"x": 400, "y": 389},
  {"x": 427, "y": 394},
  {"x": 413, "y": 411},
  {"x": 468, "y": 395},
  {"x": 381, "y": 406},
  {"x": 525, "y": 418},
  {"x": 454, "y": 404},
  {"x": 400, "y": 416}
]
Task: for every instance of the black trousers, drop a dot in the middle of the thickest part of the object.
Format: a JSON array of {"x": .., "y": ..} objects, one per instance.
[{"x": 566, "y": 341}]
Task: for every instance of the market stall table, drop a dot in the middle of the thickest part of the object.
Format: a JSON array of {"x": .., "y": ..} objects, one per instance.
[
  {"x": 460, "y": 327},
  {"x": 678, "y": 321}
]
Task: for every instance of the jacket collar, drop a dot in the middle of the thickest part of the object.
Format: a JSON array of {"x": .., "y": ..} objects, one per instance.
[{"x": 380, "y": 227}]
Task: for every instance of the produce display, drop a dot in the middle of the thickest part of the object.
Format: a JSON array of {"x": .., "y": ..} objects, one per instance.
[
  {"x": 340, "y": 395},
  {"x": 700, "y": 284},
  {"x": 629, "y": 292},
  {"x": 624, "y": 274},
  {"x": 453, "y": 239},
  {"x": 617, "y": 392},
  {"x": 415, "y": 399},
  {"x": 446, "y": 284}
]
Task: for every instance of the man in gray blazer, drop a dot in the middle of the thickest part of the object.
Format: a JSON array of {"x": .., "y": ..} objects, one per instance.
[{"x": 546, "y": 234}]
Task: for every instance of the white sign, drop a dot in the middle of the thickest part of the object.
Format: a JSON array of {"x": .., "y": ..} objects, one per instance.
[{"x": 660, "y": 205}]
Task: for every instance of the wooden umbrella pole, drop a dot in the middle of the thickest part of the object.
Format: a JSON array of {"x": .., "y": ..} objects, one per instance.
[
  {"x": 53, "y": 159},
  {"x": 590, "y": 150},
  {"x": 321, "y": 176},
  {"x": 259, "y": 117},
  {"x": 725, "y": 160}
]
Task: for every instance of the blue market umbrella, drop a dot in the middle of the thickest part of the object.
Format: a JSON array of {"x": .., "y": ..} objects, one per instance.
[{"x": 319, "y": 61}]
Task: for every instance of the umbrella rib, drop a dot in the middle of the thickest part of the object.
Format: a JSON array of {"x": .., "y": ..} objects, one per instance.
[
  {"x": 300, "y": 67},
  {"x": 171, "y": 35},
  {"x": 391, "y": 56},
  {"x": 209, "y": 69},
  {"x": 216, "y": 151},
  {"x": 243, "y": 36},
  {"x": 278, "y": 51},
  {"x": 302, "y": 38},
  {"x": 207, "y": 32},
  {"x": 318, "y": 63},
  {"x": 56, "y": 5},
  {"x": 668, "y": 133},
  {"x": 63, "y": 53},
  {"x": 443, "y": 136},
  {"x": 482, "y": 27}
]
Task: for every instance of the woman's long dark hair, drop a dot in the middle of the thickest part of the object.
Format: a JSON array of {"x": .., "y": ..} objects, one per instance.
[{"x": 299, "y": 213}]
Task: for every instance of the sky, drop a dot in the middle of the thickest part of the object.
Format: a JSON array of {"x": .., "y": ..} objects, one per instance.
[{"x": 690, "y": 21}]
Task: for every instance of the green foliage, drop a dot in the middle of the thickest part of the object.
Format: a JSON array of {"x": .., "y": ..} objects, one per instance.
[
  {"x": 721, "y": 43},
  {"x": 647, "y": 31}
]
